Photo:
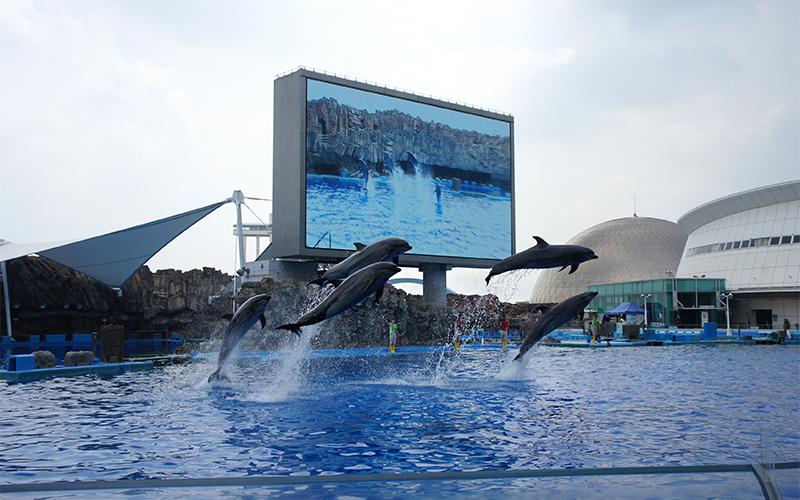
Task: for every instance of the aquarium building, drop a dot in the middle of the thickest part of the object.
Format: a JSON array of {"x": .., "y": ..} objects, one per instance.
[
  {"x": 752, "y": 240},
  {"x": 746, "y": 244}
]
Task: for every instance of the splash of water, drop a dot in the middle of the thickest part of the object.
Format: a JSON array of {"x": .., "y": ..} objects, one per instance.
[
  {"x": 505, "y": 285},
  {"x": 441, "y": 375},
  {"x": 289, "y": 377},
  {"x": 515, "y": 370}
]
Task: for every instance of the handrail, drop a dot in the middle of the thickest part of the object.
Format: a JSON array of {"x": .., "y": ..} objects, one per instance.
[
  {"x": 328, "y": 234},
  {"x": 406, "y": 476}
]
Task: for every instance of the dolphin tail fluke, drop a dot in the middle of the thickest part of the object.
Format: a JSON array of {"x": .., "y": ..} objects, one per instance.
[
  {"x": 217, "y": 375},
  {"x": 292, "y": 327}
]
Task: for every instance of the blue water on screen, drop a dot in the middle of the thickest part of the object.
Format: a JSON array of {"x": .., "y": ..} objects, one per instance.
[{"x": 465, "y": 224}]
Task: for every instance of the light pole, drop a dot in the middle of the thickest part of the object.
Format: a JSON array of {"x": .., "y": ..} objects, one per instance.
[
  {"x": 728, "y": 310},
  {"x": 645, "y": 297}
]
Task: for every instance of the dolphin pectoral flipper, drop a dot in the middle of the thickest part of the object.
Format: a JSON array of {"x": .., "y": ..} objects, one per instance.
[
  {"x": 294, "y": 327},
  {"x": 263, "y": 320},
  {"x": 573, "y": 268},
  {"x": 565, "y": 266},
  {"x": 378, "y": 295}
]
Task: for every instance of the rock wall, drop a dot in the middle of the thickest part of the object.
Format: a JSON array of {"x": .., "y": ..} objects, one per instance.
[
  {"x": 47, "y": 297},
  {"x": 342, "y": 135}
]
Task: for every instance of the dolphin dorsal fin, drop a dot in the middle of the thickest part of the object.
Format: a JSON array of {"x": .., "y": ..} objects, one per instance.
[
  {"x": 360, "y": 246},
  {"x": 540, "y": 242}
]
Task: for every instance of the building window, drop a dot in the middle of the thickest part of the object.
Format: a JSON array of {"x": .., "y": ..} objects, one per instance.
[
  {"x": 796, "y": 238},
  {"x": 728, "y": 245},
  {"x": 775, "y": 240},
  {"x": 745, "y": 243},
  {"x": 736, "y": 244},
  {"x": 785, "y": 240}
]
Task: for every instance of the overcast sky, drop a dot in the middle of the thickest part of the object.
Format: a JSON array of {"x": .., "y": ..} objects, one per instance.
[{"x": 113, "y": 114}]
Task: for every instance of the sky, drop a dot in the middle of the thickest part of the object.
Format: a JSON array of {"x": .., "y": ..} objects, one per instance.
[{"x": 117, "y": 113}]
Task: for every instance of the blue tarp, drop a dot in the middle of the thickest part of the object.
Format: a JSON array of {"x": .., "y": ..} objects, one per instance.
[{"x": 625, "y": 308}]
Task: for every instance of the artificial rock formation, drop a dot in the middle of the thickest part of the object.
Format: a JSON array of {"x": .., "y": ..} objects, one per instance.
[{"x": 49, "y": 298}]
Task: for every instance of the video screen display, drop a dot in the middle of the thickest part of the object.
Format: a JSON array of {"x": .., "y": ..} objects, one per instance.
[{"x": 380, "y": 166}]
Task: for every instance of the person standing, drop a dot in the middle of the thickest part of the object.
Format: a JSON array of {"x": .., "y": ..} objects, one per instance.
[
  {"x": 595, "y": 327},
  {"x": 392, "y": 334},
  {"x": 504, "y": 331}
]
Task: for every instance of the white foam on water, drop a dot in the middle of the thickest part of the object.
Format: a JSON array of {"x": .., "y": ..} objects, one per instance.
[{"x": 515, "y": 370}]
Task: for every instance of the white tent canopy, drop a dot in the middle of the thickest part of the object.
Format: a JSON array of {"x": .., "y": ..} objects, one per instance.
[{"x": 114, "y": 257}]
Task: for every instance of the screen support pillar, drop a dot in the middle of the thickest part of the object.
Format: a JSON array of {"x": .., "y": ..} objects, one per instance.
[{"x": 434, "y": 283}]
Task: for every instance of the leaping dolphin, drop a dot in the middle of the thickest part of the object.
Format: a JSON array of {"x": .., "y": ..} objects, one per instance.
[
  {"x": 246, "y": 316},
  {"x": 353, "y": 290},
  {"x": 543, "y": 256},
  {"x": 554, "y": 317},
  {"x": 364, "y": 171},
  {"x": 388, "y": 159},
  {"x": 385, "y": 249}
]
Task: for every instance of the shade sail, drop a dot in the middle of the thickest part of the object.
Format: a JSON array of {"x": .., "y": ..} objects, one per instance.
[
  {"x": 10, "y": 251},
  {"x": 625, "y": 308},
  {"x": 114, "y": 257}
]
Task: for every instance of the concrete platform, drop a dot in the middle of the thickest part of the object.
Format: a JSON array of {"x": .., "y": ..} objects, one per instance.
[{"x": 71, "y": 371}]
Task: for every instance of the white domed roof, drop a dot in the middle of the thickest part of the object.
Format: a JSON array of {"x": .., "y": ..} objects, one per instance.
[{"x": 628, "y": 249}]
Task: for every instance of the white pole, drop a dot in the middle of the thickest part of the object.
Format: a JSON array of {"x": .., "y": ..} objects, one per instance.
[
  {"x": 238, "y": 198},
  {"x": 5, "y": 294},
  {"x": 728, "y": 311}
]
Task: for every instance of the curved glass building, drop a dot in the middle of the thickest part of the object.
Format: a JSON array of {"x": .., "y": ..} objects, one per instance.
[{"x": 752, "y": 240}]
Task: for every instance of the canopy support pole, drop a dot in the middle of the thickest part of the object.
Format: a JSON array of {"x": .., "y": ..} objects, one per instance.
[
  {"x": 238, "y": 198},
  {"x": 5, "y": 296}
]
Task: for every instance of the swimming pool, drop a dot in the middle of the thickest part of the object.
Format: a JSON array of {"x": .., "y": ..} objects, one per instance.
[{"x": 417, "y": 412}]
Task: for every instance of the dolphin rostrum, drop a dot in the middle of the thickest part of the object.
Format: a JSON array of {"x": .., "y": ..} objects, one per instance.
[
  {"x": 353, "y": 290},
  {"x": 385, "y": 249},
  {"x": 554, "y": 317},
  {"x": 246, "y": 316},
  {"x": 543, "y": 256}
]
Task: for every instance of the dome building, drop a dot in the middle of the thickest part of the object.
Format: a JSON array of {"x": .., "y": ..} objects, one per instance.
[{"x": 629, "y": 249}]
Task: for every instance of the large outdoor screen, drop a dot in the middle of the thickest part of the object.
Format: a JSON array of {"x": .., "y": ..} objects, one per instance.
[{"x": 380, "y": 166}]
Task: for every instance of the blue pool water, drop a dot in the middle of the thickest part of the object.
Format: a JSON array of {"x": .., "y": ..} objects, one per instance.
[
  {"x": 436, "y": 411},
  {"x": 464, "y": 223}
]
